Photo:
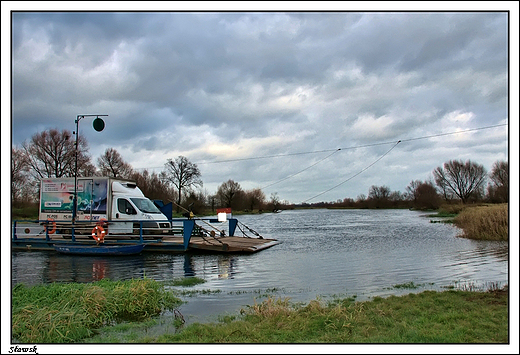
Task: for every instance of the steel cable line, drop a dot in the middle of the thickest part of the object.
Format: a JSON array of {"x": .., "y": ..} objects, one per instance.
[
  {"x": 354, "y": 147},
  {"x": 336, "y": 149},
  {"x": 353, "y": 176},
  {"x": 290, "y": 176}
]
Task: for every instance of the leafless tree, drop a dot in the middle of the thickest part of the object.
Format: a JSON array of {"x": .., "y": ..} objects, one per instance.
[
  {"x": 498, "y": 191},
  {"x": 153, "y": 186},
  {"x": 183, "y": 174},
  {"x": 255, "y": 198},
  {"x": 52, "y": 154},
  {"x": 411, "y": 189},
  {"x": 111, "y": 163},
  {"x": 463, "y": 179},
  {"x": 423, "y": 195},
  {"x": 427, "y": 197},
  {"x": 19, "y": 177},
  {"x": 274, "y": 202},
  {"x": 227, "y": 192},
  {"x": 500, "y": 174},
  {"x": 379, "y": 196}
]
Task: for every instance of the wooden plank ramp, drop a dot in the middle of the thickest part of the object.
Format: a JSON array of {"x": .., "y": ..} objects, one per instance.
[
  {"x": 232, "y": 244},
  {"x": 228, "y": 244}
]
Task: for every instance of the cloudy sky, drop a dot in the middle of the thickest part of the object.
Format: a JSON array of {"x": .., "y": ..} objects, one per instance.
[{"x": 308, "y": 105}]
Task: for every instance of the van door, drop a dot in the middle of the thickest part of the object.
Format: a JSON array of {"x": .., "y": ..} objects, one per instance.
[{"x": 123, "y": 213}]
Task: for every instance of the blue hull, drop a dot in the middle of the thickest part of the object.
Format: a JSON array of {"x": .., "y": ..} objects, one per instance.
[{"x": 79, "y": 249}]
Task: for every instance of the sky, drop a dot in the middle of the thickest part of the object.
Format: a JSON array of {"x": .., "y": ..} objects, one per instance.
[
  {"x": 310, "y": 106},
  {"x": 317, "y": 103}
]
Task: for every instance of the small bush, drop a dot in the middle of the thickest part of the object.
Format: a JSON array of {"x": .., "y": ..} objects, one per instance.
[{"x": 484, "y": 222}]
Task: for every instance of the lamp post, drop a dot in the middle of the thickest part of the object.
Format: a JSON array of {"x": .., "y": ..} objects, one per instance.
[{"x": 99, "y": 125}]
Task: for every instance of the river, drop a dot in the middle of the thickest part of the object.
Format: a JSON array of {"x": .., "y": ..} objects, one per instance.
[{"x": 323, "y": 253}]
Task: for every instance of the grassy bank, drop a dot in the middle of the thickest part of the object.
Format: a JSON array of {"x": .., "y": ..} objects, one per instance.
[
  {"x": 427, "y": 317},
  {"x": 69, "y": 312},
  {"x": 455, "y": 317},
  {"x": 123, "y": 312},
  {"x": 489, "y": 222}
]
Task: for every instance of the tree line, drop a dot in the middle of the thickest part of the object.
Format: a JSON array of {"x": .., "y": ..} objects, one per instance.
[{"x": 53, "y": 154}]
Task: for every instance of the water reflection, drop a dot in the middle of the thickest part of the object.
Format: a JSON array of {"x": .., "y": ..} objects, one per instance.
[{"x": 37, "y": 267}]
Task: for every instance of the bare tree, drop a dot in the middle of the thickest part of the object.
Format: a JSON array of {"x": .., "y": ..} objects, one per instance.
[
  {"x": 500, "y": 174},
  {"x": 498, "y": 190},
  {"x": 423, "y": 195},
  {"x": 274, "y": 203},
  {"x": 255, "y": 197},
  {"x": 153, "y": 186},
  {"x": 227, "y": 192},
  {"x": 111, "y": 163},
  {"x": 411, "y": 189},
  {"x": 461, "y": 179},
  {"x": 183, "y": 174},
  {"x": 19, "y": 178},
  {"x": 379, "y": 192},
  {"x": 427, "y": 196},
  {"x": 52, "y": 154}
]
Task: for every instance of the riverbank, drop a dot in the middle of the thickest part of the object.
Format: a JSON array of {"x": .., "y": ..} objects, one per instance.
[
  {"x": 69, "y": 312},
  {"x": 454, "y": 317},
  {"x": 122, "y": 311}
]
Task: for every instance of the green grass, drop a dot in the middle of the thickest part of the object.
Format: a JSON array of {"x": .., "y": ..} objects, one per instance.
[
  {"x": 184, "y": 281},
  {"x": 427, "y": 317},
  {"x": 69, "y": 312},
  {"x": 123, "y": 312}
]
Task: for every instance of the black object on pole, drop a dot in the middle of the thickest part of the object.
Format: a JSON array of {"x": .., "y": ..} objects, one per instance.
[{"x": 99, "y": 125}]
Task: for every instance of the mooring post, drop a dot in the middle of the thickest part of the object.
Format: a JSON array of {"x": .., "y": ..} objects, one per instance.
[
  {"x": 232, "y": 226},
  {"x": 188, "y": 225}
]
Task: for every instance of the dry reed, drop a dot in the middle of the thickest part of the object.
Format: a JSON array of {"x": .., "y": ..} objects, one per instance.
[{"x": 484, "y": 222}]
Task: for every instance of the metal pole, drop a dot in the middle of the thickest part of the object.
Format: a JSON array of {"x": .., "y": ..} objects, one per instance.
[{"x": 75, "y": 199}]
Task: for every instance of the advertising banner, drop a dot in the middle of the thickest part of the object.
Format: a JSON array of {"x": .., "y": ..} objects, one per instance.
[{"x": 57, "y": 199}]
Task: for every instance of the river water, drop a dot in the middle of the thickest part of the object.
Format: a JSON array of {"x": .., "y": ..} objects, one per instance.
[{"x": 323, "y": 253}]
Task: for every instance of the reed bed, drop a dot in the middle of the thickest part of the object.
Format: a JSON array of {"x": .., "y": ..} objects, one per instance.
[
  {"x": 484, "y": 222},
  {"x": 69, "y": 312}
]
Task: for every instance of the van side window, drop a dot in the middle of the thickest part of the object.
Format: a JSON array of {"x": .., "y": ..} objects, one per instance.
[{"x": 124, "y": 206}]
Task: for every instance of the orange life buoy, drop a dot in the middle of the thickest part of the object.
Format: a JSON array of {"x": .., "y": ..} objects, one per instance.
[
  {"x": 98, "y": 233},
  {"x": 101, "y": 222},
  {"x": 50, "y": 220}
]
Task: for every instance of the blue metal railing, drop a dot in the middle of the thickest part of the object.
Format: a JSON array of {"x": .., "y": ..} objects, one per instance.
[{"x": 188, "y": 227}]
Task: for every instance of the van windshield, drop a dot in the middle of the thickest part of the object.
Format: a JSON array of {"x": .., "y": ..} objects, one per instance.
[{"x": 145, "y": 205}]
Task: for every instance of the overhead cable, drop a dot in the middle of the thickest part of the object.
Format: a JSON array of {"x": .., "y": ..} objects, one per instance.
[
  {"x": 347, "y": 148},
  {"x": 356, "y": 174},
  {"x": 301, "y": 171},
  {"x": 353, "y": 147}
]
